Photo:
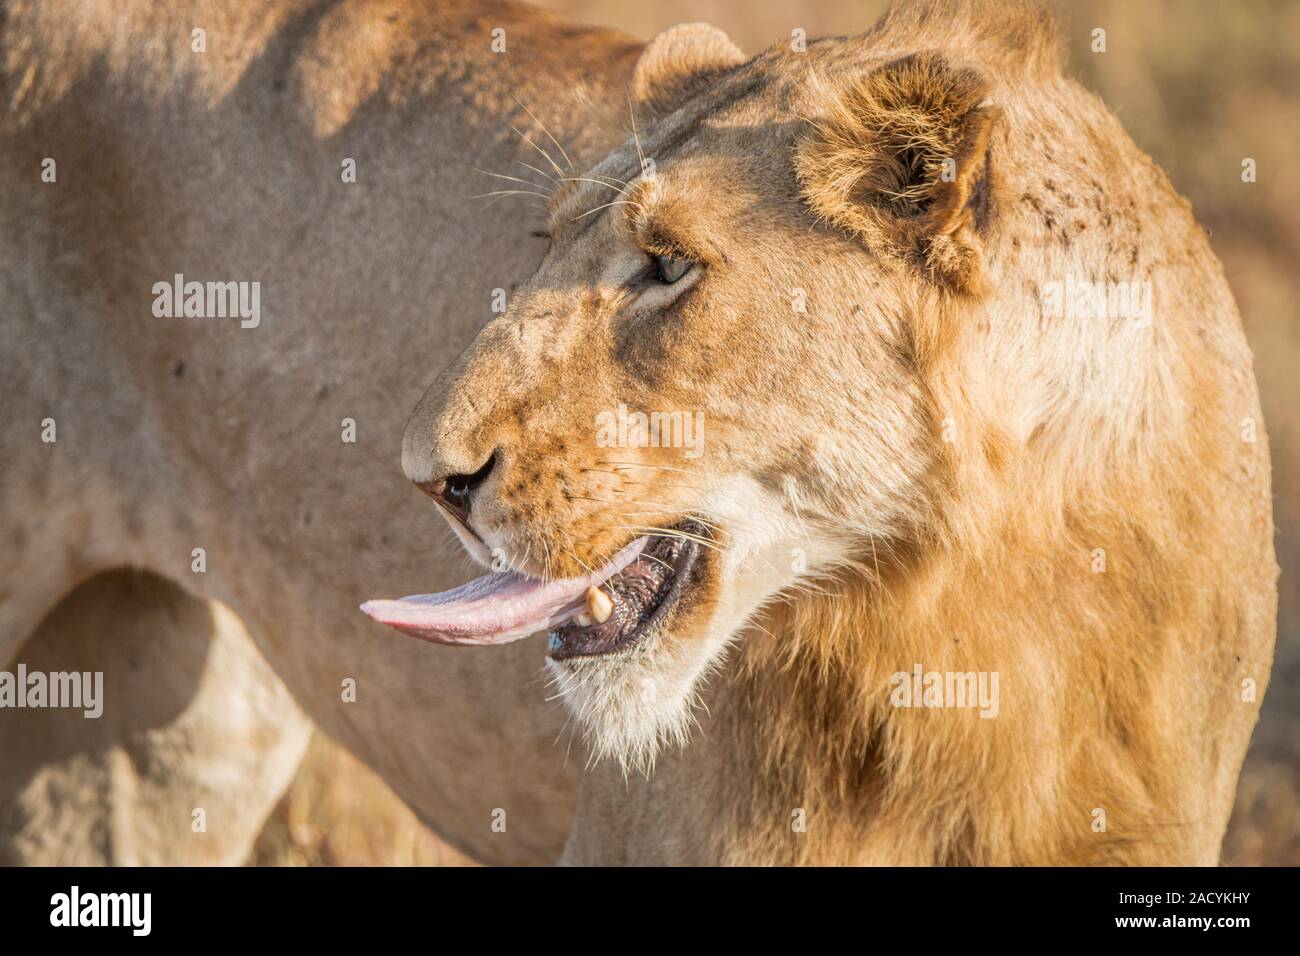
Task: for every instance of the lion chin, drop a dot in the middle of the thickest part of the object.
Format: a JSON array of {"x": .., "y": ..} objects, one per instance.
[{"x": 632, "y": 705}]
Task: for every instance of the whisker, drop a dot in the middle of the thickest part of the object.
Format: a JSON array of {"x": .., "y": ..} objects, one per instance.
[
  {"x": 540, "y": 172},
  {"x": 554, "y": 164},
  {"x": 588, "y": 179},
  {"x": 616, "y": 202},
  {"x": 658, "y": 561},
  {"x": 546, "y": 131},
  {"x": 496, "y": 199},
  {"x": 511, "y": 192},
  {"x": 667, "y": 506},
  {"x": 654, "y": 531},
  {"x": 515, "y": 179},
  {"x": 573, "y": 554},
  {"x": 635, "y": 134},
  {"x": 546, "y": 560}
]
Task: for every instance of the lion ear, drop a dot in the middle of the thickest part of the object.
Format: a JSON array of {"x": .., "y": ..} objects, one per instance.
[
  {"x": 901, "y": 159},
  {"x": 681, "y": 62}
]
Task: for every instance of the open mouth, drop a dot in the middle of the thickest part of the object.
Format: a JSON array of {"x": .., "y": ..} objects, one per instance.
[
  {"x": 623, "y": 602},
  {"x": 633, "y": 603}
]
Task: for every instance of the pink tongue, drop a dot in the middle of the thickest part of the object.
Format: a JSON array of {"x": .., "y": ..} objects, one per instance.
[{"x": 497, "y": 608}]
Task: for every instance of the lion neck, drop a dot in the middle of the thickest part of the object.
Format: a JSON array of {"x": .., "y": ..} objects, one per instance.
[
  {"x": 821, "y": 711},
  {"x": 1006, "y": 597}
]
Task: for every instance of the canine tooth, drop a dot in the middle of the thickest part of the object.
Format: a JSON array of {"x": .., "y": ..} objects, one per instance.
[{"x": 599, "y": 606}]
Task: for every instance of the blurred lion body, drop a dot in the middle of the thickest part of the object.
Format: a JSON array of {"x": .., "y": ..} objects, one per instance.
[
  {"x": 1127, "y": 695},
  {"x": 227, "y": 163}
]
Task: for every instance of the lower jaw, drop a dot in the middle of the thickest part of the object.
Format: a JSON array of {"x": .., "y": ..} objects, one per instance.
[{"x": 571, "y": 642}]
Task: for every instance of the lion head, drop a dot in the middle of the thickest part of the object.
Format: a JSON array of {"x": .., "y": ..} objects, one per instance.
[
  {"x": 708, "y": 393},
  {"x": 788, "y": 388}
]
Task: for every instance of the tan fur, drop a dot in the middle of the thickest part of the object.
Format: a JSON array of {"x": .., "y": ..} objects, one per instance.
[{"x": 915, "y": 467}]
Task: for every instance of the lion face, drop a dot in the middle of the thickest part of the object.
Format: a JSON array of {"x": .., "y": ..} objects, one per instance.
[{"x": 710, "y": 384}]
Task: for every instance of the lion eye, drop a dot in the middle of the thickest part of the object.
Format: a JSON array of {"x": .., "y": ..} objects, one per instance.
[{"x": 668, "y": 269}]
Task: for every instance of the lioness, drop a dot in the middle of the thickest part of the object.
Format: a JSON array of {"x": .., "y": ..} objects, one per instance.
[{"x": 967, "y": 558}]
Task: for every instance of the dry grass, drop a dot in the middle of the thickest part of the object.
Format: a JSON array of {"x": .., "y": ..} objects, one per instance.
[{"x": 1199, "y": 85}]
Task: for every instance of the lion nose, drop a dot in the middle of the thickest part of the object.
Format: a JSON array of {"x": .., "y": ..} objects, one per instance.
[{"x": 456, "y": 492}]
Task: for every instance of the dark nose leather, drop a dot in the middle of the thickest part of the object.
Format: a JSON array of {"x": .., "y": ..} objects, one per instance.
[{"x": 456, "y": 492}]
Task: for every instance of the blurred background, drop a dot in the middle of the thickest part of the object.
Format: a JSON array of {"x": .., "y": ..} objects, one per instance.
[{"x": 1200, "y": 85}]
